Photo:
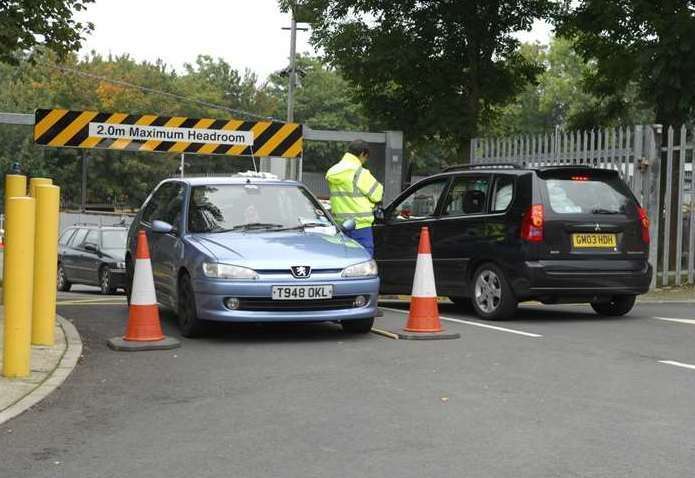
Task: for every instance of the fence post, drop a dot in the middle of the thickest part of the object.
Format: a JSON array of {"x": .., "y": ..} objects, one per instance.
[{"x": 652, "y": 191}]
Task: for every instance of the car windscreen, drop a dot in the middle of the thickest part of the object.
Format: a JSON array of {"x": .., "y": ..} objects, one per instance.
[
  {"x": 113, "y": 239},
  {"x": 218, "y": 208},
  {"x": 586, "y": 193}
]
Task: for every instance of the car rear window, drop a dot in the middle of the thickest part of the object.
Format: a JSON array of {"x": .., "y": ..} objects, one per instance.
[{"x": 584, "y": 193}]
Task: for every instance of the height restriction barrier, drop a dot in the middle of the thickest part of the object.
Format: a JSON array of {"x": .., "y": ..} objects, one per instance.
[{"x": 167, "y": 134}]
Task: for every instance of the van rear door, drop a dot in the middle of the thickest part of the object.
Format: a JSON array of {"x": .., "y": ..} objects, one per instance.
[{"x": 591, "y": 216}]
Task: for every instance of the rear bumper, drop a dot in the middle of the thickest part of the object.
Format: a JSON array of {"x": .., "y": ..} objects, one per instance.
[
  {"x": 545, "y": 278},
  {"x": 210, "y": 296}
]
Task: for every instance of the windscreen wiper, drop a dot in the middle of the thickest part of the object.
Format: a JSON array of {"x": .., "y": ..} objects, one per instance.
[
  {"x": 301, "y": 227},
  {"x": 252, "y": 226}
]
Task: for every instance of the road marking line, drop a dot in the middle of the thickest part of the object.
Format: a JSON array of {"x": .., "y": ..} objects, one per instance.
[
  {"x": 77, "y": 302},
  {"x": 385, "y": 333},
  {"x": 91, "y": 301},
  {"x": 681, "y": 321},
  {"x": 678, "y": 364},
  {"x": 477, "y": 324}
]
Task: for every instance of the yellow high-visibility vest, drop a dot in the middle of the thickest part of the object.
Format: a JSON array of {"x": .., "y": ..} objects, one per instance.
[{"x": 354, "y": 191}]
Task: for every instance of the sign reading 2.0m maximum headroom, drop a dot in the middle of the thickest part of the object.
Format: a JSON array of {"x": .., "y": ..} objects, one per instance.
[{"x": 167, "y": 134}]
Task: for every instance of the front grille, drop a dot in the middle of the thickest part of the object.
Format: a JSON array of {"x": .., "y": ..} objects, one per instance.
[{"x": 267, "y": 305}]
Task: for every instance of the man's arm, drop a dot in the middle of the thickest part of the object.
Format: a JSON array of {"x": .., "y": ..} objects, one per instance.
[{"x": 369, "y": 186}]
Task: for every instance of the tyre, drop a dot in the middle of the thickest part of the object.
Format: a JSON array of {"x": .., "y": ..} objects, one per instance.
[
  {"x": 105, "y": 281},
  {"x": 189, "y": 323},
  {"x": 358, "y": 326},
  {"x": 62, "y": 282},
  {"x": 617, "y": 305},
  {"x": 493, "y": 299}
]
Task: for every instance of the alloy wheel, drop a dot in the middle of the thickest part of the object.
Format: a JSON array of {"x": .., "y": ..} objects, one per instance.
[{"x": 488, "y": 291}]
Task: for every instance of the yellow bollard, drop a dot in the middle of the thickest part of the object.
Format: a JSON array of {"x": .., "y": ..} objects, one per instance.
[
  {"x": 18, "y": 281},
  {"x": 33, "y": 182},
  {"x": 43, "y": 313},
  {"x": 15, "y": 186}
]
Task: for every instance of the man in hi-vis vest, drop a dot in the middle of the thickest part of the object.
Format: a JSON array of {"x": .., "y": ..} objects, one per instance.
[{"x": 355, "y": 193}]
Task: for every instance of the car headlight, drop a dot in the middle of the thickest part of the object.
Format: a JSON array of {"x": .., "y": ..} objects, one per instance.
[
  {"x": 363, "y": 269},
  {"x": 120, "y": 265},
  {"x": 228, "y": 271}
]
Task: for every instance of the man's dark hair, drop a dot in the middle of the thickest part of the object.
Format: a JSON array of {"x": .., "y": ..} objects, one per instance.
[{"x": 358, "y": 147}]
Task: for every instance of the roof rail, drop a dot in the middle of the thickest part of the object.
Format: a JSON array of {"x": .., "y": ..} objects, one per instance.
[{"x": 460, "y": 167}]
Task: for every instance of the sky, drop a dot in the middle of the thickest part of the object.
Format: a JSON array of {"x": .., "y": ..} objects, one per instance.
[{"x": 245, "y": 33}]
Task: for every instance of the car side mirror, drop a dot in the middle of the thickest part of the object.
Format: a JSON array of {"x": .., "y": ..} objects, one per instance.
[
  {"x": 162, "y": 227},
  {"x": 91, "y": 247},
  {"x": 348, "y": 225}
]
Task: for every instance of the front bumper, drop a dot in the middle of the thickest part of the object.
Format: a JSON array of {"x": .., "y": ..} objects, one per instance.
[
  {"x": 545, "y": 278},
  {"x": 211, "y": 293}
]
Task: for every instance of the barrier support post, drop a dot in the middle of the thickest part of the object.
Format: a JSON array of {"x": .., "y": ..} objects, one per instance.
[
  {"x": 45, "y": 264},
  {"x": 17, "y": 285}
]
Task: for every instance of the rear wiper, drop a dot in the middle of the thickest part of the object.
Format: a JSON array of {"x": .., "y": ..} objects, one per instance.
[
  {"x": 604, "y": 211},
  {"x": 251, "y": 226}
]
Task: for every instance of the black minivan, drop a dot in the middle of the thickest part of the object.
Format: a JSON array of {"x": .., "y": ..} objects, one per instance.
[{"x": 502, "y": 235}]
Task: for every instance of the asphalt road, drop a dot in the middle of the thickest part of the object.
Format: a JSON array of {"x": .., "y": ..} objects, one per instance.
[{"x": 556, "y": 392}]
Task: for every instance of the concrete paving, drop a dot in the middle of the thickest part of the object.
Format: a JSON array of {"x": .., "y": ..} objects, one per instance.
[
  {"x": 50, "y": 366},
  {"x": 556, "y": 392}
]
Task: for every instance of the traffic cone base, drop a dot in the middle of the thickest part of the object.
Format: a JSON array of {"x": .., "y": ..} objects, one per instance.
[{"x": 143, "y": 332}]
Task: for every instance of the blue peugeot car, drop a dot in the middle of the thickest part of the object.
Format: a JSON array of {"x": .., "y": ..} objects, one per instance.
[{"x": 250, "y": 248}]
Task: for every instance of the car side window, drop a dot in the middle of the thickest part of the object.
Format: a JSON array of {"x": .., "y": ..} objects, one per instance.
[
  {"x": 78, "y": 237},
  {"x": 66, "y": 236},
  {"x": 92, "y": 237},
  {"x": 504, "y": 192},
  {"x": 170, "y": 210},
  {"x": 150, "y": 213},
  {"x": 421, "y": 203},
  {"x": 468, "y": 195}
]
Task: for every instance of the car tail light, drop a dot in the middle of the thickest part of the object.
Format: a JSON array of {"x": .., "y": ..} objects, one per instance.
[
  {"x": 580, "y": 178},
  {"x": 644, "y": 224},
  {"x": 532, "y": 224}
]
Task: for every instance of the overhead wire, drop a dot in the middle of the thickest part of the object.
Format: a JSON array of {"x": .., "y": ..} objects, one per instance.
[{"x": 147, "y": 89}]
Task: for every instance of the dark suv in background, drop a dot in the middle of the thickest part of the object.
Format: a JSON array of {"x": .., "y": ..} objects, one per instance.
[
  {"x": 502, "y": 235},
  {"x": 92, "y": 255}
]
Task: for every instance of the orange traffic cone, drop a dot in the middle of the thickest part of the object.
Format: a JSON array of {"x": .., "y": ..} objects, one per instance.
[
  {"x": 423, "y": 319},
  {"x": 143, "y": 331},
  {"x": 424, "y": 311}
]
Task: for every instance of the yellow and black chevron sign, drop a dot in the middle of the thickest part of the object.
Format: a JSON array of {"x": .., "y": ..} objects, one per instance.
[{"x": 167, "y": 134}]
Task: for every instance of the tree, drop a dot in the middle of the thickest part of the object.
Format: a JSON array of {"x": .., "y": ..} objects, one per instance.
[
  {"x": 26, "y": 24},
  {"x": 323, "y": 100},
  {"x": 434, "y": 69},
  {"x": 559, "y": 98},
  {"x": 637, "y": 42}
]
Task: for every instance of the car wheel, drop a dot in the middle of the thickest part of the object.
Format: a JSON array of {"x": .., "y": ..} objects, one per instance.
[
  {"x": 617, "y": 305},
  {"x": 493, "y": 299},
  {"x": 62, "y": 282},
  {"x": 189, "y": 323},
  {"x": 105, "y": 281},
  {"x": 358, "y": 326}
]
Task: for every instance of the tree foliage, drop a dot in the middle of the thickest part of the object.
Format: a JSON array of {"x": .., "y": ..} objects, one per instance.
[
  {"x": 650, "y": 45},
  {"x": 559, "y": 98},
  {"x": 26, "y": 24},
  {"x": 434, "y": 69}
]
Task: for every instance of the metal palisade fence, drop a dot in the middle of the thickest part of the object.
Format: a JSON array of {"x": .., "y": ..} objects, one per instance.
[{"x": 656, "y": 164}]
